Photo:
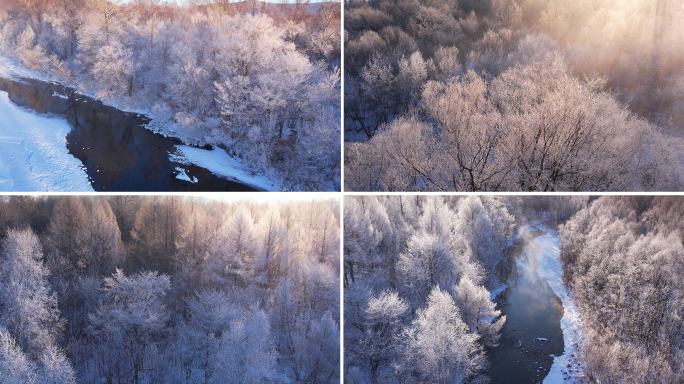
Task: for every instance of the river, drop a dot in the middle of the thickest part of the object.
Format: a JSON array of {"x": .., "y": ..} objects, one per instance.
[
  {"x": 117, "y": 151},
  {"x": 532, "y": 335}
]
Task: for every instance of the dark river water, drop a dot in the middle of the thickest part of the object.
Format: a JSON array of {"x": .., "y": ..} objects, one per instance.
[
  {"x": 532, "y": 311},
  {"x": 118, "y": 152}
]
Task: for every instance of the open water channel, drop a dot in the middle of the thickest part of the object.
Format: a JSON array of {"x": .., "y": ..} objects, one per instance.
[{"x": 532, "y": 335}]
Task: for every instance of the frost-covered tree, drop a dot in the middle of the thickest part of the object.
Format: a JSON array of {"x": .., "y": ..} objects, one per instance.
[
  {"x": 104, "y": 248},
  {"x": 31, "y": 55},
  {"x": 113, "y": 70},
  {"x": 15, "y": 367},
  {"x": 474, "y": 222},
  {"x": 623, "y": 258},
  {"x": 110, "y": 13},
  {"x": 69, "y": 235},
  {"x": 440, "y": 345},
  {"x": 312, "y": 348},
  {"x": 245, "y": 353},
  {"x": 234, "y": 251},
  {"x": 211, "y": 314},
  {"x": 426, "y": 263},
  {"x": 55, "y": 368},
  {"x": 381, "y": 343},
  {"x": 29, "y": 309},
  {"x": 274, "y": 249},
  {"x": 479, "y": 313},
  {"x": 157, "y": 230},
  {"x": 131, "y": 318}
]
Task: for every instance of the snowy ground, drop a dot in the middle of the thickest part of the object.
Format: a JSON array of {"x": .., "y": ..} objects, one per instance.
[
  {"x": 11, "y": 69},
  {"x": 565, "y": 368},
  {"x": 33, "y": 153},
  {"x": 220, "y": 163}
]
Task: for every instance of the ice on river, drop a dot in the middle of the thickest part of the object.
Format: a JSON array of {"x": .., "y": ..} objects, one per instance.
[
  {"x": 182, "y": 175},
  {"x": 33, "y": 153},
  {"x": 220, "y": 163},
  {"x": 549, "y": 267}
]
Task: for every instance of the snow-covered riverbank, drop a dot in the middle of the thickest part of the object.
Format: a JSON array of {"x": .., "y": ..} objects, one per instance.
[
  {"x": 216, "y": 161},
  {"x": 10, "y": 69},
  {"x": 565, "y": 368},
  {"x": 34, "y": 154}
]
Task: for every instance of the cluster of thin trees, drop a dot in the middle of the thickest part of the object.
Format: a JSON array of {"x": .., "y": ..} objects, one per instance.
[
  {"x": 483, "y": 96},
  {"x": 132, "y": 289},
  {"x": 417, "y": 274},
  {"x": 262, "y": 82},
  {"x": 624, "y": 258}
]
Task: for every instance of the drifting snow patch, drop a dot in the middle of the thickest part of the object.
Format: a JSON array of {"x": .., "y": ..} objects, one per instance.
[
  {"x": 220, "y": 163},
  {"x": 65, "y": 97},
  {"x": 550, "y": 268},
  {"x": 182, "y": 175},
  {"x": 33, "y": 153},
  {"x": 542, "y": 339}
]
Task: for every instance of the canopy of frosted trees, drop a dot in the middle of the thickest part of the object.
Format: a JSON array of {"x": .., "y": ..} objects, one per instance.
[
  {"x": 132, "y": 289},
  {"x": 417, "y": 274},
  {"x": 262, "y": 82},
  {"x": 624, "y": 258},
  {"x": 528, "y": 95}
]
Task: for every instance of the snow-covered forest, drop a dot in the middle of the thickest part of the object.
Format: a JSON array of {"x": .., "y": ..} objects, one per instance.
[
  {"x": 624, "y": 259},
  {"x": 259, "y": 80},
  {"x": 131, "y": 289},
  {"x": 521, "y": 95},
  {"x": 421, "y": 274},
  {"x": 418, "y": 272}
]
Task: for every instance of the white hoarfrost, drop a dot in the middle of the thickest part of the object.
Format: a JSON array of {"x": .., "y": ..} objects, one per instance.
[
  {"x": 34, "y": 157},
  {"x": 565, "y": 367}
]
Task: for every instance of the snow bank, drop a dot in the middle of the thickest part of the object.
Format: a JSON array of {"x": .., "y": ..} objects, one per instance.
[
  {"x": 33, "y": 153},
  {"x": 222, "y": 164},
  {"x": 11, "y": 69},
  {"x": 498, "y": 288},
  {"x": 564, "y": 368}
]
